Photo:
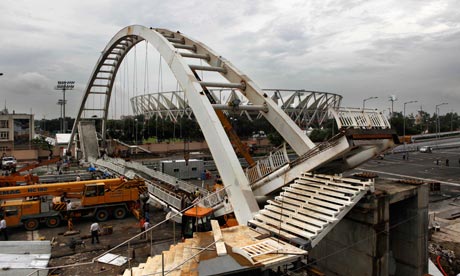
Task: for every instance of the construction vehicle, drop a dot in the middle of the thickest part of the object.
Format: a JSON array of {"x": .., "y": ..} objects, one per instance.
[
  {"x": 46, "y": 203},
  {"x": 198, "y": 219},
  {"x": 8, "y": 163},
  {"x": 14, "y": 177}
]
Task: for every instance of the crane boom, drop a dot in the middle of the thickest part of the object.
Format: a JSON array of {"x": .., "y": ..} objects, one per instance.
[{"x": 57, "y": 189}]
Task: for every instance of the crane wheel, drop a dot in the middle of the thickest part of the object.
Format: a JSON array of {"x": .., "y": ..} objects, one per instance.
[
  {"x": 119, "y": 213},
  {"x": 52, "y": 222},
  {"x": 102, "y": 215},
  {"x": 31, "y": 224}
]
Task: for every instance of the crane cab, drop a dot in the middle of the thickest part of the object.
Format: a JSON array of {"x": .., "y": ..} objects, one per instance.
[
  {"x": 196, "y": 219},
  {"x": 94, "y": 194}
]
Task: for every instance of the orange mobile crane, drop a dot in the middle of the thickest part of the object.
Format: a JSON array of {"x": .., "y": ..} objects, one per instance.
[{"x": 33, "y": 205}]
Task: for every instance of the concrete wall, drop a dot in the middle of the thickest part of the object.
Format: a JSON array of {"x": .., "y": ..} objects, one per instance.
[
  {"x": 361, "y": 243},
  {"x": 409, "y": 233},
  {"x": 358, "y": 245}
]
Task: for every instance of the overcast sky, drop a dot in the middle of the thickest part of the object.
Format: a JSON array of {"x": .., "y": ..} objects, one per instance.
[{"x": 355, "y": 48}]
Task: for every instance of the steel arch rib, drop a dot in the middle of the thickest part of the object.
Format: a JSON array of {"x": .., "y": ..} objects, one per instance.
[
  {"x": 232, "y": 174},
  {"x": 291, "y": 133}
]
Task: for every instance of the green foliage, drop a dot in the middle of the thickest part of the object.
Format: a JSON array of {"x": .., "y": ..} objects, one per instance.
[
  {"x": 424, "y": 123},
  {"x": 320, "y": 135},
  {"x": 42, "y": 143},
  {"x": 275, "y": 138}
]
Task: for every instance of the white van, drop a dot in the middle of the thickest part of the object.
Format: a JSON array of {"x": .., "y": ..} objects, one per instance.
[{"x": 426, "y": 149}]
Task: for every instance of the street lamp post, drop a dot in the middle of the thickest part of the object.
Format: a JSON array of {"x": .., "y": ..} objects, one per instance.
[
  {"x": 392, "y": 98},
  {"x": 404, "y": 127},
  {"x": 438, "y": 126},
  {"x": 135, "y": 121},
  {"x": 367, "y": 99},
  {"x": 64, "y": 85}
]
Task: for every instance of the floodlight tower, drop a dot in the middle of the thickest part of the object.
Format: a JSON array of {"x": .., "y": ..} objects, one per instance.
[
  {"x": 60, "y": 102},
  {"x": 64, "y": 85}
]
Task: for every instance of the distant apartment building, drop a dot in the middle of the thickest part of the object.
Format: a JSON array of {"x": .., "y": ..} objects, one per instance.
[{"x": 16, "y": 132}]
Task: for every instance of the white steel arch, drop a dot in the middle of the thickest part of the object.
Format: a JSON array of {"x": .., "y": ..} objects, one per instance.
[{"x": 175, "y": 48}]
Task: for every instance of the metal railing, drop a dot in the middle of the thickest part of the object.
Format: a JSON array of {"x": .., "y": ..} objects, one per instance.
[
  {"x": 171, "y": 180},
  {"x": 215, "y": 198},
  {"x": 359, "y": 118},
  {"x": 318, "y": 149},
  {"x": 265, "y": 166},
  {"x": 120, "y": 166},
  {"x": 166, "y": 196}
]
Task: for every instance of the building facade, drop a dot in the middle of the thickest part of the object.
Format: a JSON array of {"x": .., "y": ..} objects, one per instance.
[{"x": 16, "y": 131}]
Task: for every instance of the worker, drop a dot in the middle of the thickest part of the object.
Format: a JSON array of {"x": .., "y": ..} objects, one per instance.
[
  {"x": 68, "y": 208},
  {"x": 69, "y": 205},
  {"x": 146, "y": 210},
  {"x": 141, "y": 225},
  {"x": 94, "y": 228},
  {"x": 69, "y": 224},
  {"x": 197, "y": 193},
  {"x": 146, "y": 225},
  {"x": 78, "y": 178},
  {"x": 63, "y": 196},
  {"x": 3, "y": 229}
]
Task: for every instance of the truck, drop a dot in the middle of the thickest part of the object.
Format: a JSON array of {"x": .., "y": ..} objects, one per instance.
[
  {"x": 9, "y": 163},
  {"x": 198, "y": 219},
  {"x": 45, "y": 204},
  {"x": 23, "y": 176}
]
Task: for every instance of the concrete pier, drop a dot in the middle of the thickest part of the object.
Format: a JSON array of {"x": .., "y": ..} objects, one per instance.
[{"x": 385, "y": 234}]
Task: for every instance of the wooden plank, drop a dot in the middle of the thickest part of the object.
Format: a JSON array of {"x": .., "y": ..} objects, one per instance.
[{"x": 220, "y": 245}]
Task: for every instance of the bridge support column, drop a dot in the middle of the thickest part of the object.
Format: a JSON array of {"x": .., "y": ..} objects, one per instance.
[{"x": 385, "y": 234}]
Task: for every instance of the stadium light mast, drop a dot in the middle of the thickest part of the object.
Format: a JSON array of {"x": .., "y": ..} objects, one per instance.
[
  {"x": 63, "y": 86},
  {"x": 60, "y": 102}
]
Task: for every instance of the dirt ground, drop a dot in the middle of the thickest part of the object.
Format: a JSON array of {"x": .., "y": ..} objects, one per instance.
[{"x": 62, "y": 255}]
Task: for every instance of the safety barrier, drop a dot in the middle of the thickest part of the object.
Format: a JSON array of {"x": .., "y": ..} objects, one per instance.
[{"x": 265, "y": 166}]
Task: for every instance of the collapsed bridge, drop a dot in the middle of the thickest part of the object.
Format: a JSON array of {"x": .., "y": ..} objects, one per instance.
[{"x": 305, "y": 206}]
